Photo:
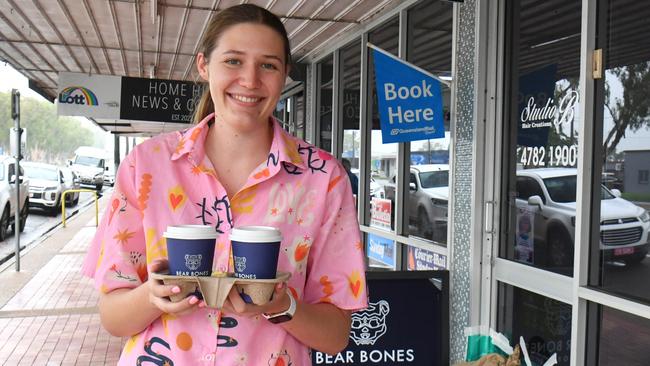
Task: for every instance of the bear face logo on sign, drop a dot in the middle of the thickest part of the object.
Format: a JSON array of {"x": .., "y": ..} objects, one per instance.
[
  {"x": 193, "y": 261},
  {"x": 370, "y": 324}
]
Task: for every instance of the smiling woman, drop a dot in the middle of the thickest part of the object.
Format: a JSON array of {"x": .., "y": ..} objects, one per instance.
[{"x": 235, "y": 167}]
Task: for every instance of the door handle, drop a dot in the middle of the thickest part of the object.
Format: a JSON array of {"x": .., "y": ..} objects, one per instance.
[{"x": 489, "y": 217}]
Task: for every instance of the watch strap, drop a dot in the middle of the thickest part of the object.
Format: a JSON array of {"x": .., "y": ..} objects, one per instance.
[{"x": 285, "y": 315}]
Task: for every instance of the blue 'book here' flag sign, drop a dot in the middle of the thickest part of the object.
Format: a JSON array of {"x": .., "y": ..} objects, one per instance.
[{"x": 410, "y": 100}]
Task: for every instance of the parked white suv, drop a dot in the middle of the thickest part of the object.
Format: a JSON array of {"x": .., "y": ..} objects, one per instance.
[
  {"x": 47, "y": 184},
  {"x": 549, "y": 195},
  {"x": 429, "y": 199},
  {"x": 8, "y": 195}
]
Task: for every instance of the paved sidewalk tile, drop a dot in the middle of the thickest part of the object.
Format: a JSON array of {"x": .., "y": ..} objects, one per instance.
[
  {"x": 81, "y": 241},
  {"x": 54, "y": 340},
  {"x": 53, "y": 319},
  {"x": 58, "y": 285}
]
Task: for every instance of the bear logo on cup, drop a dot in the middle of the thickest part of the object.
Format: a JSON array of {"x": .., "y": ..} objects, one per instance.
[
  {"x": 240, "y": 263},
  {"x": 193, "y": 261}
]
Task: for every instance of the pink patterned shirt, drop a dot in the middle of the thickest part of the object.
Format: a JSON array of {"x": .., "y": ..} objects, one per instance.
[{"x": 168, "y": 180}]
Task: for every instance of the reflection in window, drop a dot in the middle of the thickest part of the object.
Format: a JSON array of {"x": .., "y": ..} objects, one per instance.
[
  {"x": 544, "y": 118},
  {"x": 624, "y": 339},
  {"x": 383, "y": 157},
  {"x": 544, "y": 323},
  {"x": 429, "y": 46},
  {"x": 325, "y": 70},
  {"x": 620, "y": 243},
  {"x": 350, "y": 106},
  {"x": 299, "y": 123},
  {"x": 643, "y": 176}
]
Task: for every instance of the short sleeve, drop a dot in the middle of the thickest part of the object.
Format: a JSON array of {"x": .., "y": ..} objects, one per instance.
[
  {"x": 117, "y": 257},
  {"x": 336, "y": 266}
]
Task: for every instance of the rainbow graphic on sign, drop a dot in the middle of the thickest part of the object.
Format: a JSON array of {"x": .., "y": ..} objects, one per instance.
[{"x": 78, "y": 95}]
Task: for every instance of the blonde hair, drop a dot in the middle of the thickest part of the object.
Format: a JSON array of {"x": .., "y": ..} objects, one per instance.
[{"x": 245, "y": 13}]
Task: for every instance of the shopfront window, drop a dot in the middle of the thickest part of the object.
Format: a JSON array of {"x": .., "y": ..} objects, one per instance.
[
  {"x": 543, "y": 53},
  {"x": 544, "y": 323},
  {"x": 383, "y": 157},
  {"x": 299, "y": 123},
  {"x": 350, "y": 56},
  {"x": 620, "y": 249},
  {"x": 624, "y": 339},
  {"x": 429, "y": 45},
  {"x": 325, "y": 71}
]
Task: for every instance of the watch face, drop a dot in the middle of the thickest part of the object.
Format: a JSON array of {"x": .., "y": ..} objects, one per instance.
[{"x": 280, "y": 318}]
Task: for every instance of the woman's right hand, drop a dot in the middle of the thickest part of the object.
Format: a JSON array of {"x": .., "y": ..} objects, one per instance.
[{"x": 159, "y": 294}]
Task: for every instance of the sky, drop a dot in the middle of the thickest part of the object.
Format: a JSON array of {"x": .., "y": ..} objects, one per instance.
[{"x": 12, "y": 79}]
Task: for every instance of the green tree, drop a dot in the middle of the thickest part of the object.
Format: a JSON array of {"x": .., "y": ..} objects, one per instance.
[
  {"x": 633, "y": 110},
  {"x": 50, "y": 138}
]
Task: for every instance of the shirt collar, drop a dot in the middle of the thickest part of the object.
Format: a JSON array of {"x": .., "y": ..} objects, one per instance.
[
  {"x": 284, "y": 147},
  {"x": 192, "y": 140}
]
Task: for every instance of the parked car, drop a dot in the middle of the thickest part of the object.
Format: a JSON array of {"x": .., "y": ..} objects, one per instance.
[
  {"x": 376, "y": 190},
  {"x": 549, "y": 194},
  {"x": 8, "y": 196},
  {"x": 428, "y": 199},
  {"x": 71, "y": 181},
  {"x": 90, "y": 166},
  {"x": 48, "y": 183},
  {"x": 109, "y": 177}
]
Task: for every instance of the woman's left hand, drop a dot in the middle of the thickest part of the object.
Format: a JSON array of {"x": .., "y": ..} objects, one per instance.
[{"x": 279, "y": 302}]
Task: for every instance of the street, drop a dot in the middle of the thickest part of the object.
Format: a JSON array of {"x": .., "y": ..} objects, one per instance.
[{"x": 40, "y": 222}]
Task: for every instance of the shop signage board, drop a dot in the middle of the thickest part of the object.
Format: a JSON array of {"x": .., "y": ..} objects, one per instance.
[
  {"x": 409, "y": 100},
  {"x": 419, "y": 259},
  {"x": 95, "y": 96},
  {"x": 382, "y": 250},
  {"x": 158, "y": 100},
  {"x": 395, "y": 329},
  {"x": 127, "y": 98},
  {"x": 380, "y": 213}
]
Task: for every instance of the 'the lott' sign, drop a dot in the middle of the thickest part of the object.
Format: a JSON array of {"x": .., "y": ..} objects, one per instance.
[
  {"x": 406, "y": 322},
  {"x": 409, "y": 98},
  {"x": 115, "y": 97}
]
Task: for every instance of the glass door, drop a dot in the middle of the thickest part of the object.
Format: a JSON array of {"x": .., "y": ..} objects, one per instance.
[{"x": 620, "y": 225}]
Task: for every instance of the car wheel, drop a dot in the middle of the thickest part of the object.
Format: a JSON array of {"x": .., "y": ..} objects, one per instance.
[
  {"x": 424, "y": 226},
  {"x": 56, "y": 209},
  {"x": 635, "y": 258},
  {"x": 558, "y": 252},
  {"x": 4, "y": 224}
]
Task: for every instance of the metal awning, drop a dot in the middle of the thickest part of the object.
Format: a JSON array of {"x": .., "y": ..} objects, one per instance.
[{"x": 148, "y": 38}]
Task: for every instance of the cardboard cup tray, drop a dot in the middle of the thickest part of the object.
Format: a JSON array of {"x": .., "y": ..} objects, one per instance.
[{"x": 215, "y": 289}]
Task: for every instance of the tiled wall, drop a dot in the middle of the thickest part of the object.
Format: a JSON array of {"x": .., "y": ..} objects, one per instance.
[{"x": 462, "y": 177}]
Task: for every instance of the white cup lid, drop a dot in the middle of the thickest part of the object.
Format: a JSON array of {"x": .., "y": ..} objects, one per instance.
[
  {"x": 256, "y": 234},
  {"x": 190, "y": 232}
]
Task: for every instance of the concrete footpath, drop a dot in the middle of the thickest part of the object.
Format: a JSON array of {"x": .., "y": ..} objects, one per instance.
[{"x": 48, "y": 311}]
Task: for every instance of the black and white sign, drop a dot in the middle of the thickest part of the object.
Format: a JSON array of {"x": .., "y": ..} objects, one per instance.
[
  {"x": 158, "y": 100},
  {"x": 406, "y": 322},
  {"x": 127, "y": 98}
]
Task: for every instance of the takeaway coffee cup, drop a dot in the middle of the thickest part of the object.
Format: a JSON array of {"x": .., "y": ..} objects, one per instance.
[
  {"x": 190, "y": 249},
  {"x": 255, "y": 251}
]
